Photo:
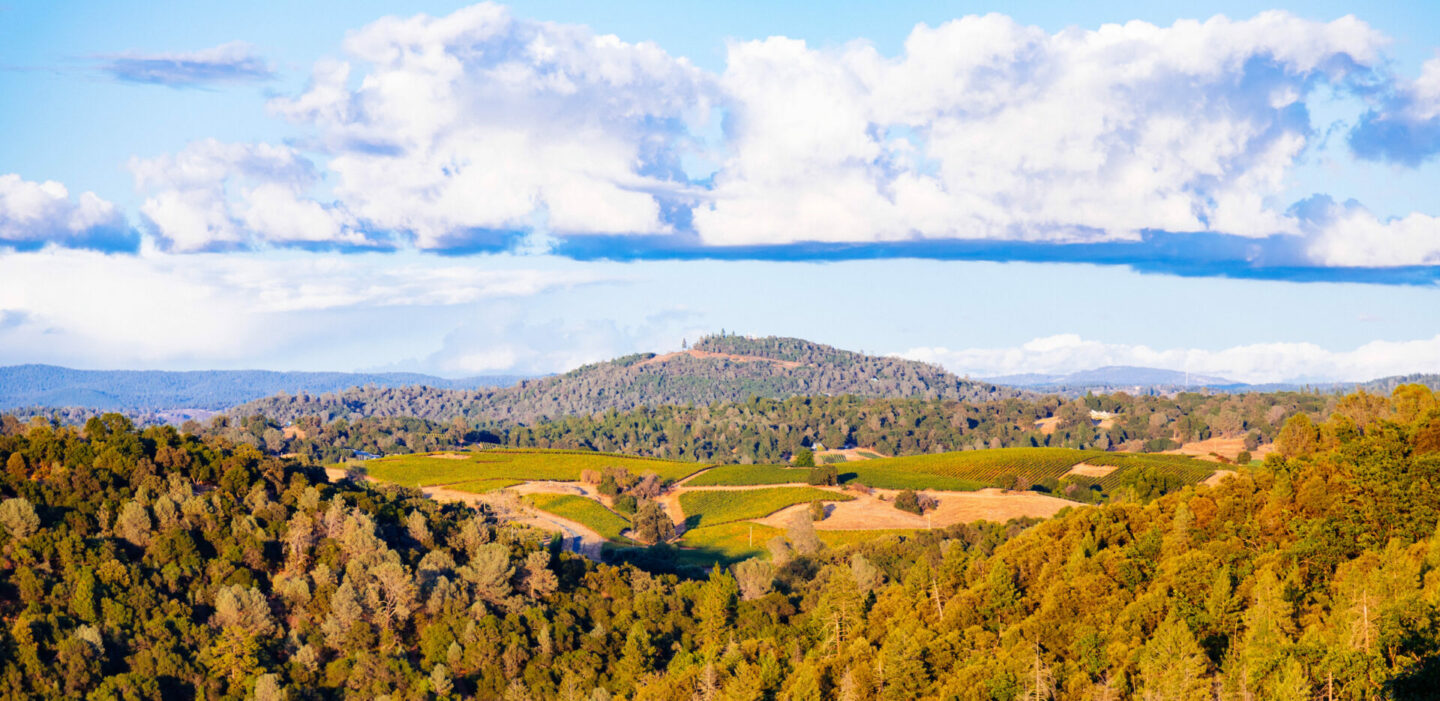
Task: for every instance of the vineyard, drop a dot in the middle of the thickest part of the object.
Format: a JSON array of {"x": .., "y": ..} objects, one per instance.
[
  {"x": 429, "y": 469},
  {"x": 986, "y": 468},
  {"x": 712, "y": 508},
  {"x": 747, "y": 475},
  {"x": 585, "y": 511},
  {"x": 729, "y": 542}
]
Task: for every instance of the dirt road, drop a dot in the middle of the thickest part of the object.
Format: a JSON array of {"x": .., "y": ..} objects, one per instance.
[{"x": 577, "y": 537}]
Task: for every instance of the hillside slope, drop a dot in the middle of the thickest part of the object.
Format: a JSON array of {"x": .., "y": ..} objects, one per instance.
[{"x": 716, "y": 369}]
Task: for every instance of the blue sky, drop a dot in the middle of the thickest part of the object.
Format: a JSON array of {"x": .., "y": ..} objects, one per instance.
[{"x": 523, "y": 188}]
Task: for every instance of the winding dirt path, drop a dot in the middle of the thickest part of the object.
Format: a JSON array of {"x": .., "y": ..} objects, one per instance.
[{"x": 578, "y": 538}]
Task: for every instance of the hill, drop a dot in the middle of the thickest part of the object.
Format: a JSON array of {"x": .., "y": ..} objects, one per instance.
[
  {"x": 715, "y": 369},
  {"x": 52, "y": 386}
]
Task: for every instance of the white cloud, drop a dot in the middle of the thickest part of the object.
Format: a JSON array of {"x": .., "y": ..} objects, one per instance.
[
  {"x": 158, "y": 309},
  {"x": 32, "y": 212},
  {"x": 1351, "y": 235},
  {"x": 1425, "y": 92},
  {"x": 1254, "y": 363},
  {"x": 227, "y": 63},
  {"x": 214, "y": 195},
  {"x": 479, "y": 120},
  {"x": 1012, "y": 133}
]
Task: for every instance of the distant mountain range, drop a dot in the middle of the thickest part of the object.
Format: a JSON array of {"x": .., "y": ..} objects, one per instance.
[
  {"x": 720, "y": 368},
  {"x": 1116, "y": 376},
  {"x": 715, "y": 369},
  {"x": 23, "y": 386}
]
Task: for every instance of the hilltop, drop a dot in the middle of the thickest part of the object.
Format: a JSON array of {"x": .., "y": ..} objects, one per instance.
[{"x": 715, "y": 369}]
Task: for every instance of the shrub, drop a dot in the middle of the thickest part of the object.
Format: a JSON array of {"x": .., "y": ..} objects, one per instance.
[
  {"x": 626, "y": 503},
  {"x": 907, "y": 500},
  {"x": 1243, "y": 458},
  {"x": 652, "y": 524},
  {"x": 824, "y": 475},
  {"x": 817, "y": 511}
]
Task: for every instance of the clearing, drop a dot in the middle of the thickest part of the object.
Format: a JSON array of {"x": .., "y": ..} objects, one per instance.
[
  {"x": 1229, "y": 448},
  {"x": 877, "y": 511},
  {"x": 1088, "y": 470},
  {"x": 787, "y": 364}
]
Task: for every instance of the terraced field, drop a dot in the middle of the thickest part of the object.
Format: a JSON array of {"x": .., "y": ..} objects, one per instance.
[
  {"x": 585, "y": 511},
  {"x": 428, "y": 469},
  {"x": 714, "y": 507}
]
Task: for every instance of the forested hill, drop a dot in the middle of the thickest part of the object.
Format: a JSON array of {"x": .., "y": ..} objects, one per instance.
[
  {"x": 51, "y": 386},
  {"x": 155, "y": 564},
  {"x": 716, "y": 369}
]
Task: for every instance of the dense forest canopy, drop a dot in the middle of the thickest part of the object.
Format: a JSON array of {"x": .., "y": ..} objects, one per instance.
[
  {"x": 770, "y": 431},
  {"x": 154, "y": 563}
]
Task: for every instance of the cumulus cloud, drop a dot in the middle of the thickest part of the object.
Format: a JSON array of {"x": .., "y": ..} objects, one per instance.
[
  {"x": 234, "y": 62},
  {"x": 478, "y": 122},
  {"x": 1254, "y": 363},
  {"x": 36, "y": 213},
  {"x": 1162, "y": 147},
  {"x": 1349, "y": 235},
  {"x": 214, "y": 195},
  {"x": 1405, "y": 128},
  {"x": 986, "y": 129},
  {"x": 63, "y": 304}
]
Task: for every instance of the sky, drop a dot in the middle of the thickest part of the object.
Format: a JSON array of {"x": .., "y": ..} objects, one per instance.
[{"x": 1220, "y": 188}]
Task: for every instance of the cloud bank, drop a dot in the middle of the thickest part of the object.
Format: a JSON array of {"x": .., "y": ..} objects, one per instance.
[
  {"x": 1167, "y": 148},
  {"x": 1253, "y": 363},
  {"x": 63, "y": 304}
]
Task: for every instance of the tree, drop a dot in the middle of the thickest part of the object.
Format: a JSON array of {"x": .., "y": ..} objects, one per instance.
[
  {"x": 267, "y": 688},
  {"x": 652, "y": 524},
  {"x": 15, "y": 468},
  {"x": 1172, "y": 666},
  {"x": 804, "y": 457},
  {"x": 715, "y": 607},
  {"x": 907, "y": 500},
  {"x": 539, "y": 580},
  {"x": 244, "y": 608},
  {"x": 134, "y": 523},
  {"x": 755, "y": 577},
  {"x": 824, "y": 475},
  {"x": 18, "y": 517},
  {"x": 1299, "y": 436},
  {"x": 801, "y": 533}
]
